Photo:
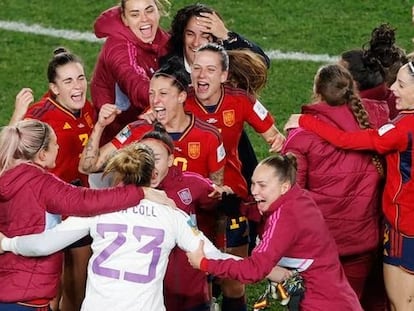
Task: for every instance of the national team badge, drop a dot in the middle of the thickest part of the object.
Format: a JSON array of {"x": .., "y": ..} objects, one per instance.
[
  {"x": 194, "y": 150},
  {"x": 229, "y": 117},
  {"x": 185, "y": 196}
]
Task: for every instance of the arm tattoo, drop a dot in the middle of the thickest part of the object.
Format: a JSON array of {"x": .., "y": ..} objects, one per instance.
[{"x": 218, "y": 177}]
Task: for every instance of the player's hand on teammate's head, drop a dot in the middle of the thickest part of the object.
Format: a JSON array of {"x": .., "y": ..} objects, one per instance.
[{"x": 213, "y": 24}]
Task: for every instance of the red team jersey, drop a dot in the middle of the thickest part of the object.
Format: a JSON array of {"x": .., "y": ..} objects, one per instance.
[
  {"x": 199, "y": 148},
  {"x": 233, "y": 109},
  {"x": 185, "y": 287},
  {"x": 72, "y": 135}
]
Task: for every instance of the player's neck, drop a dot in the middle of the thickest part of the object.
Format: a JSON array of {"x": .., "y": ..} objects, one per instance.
[
  {"x": 213, "y": 100},
  {"x": 178, "y": 124}
]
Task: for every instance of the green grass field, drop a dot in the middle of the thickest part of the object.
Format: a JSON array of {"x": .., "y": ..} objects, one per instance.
[{"x": 312, "y": 26}]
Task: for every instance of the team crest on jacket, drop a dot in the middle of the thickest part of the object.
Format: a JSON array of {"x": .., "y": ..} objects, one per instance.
[
  {"x": 185, "y": 196},
  {"x": 229, "y": 117},
  {"x": 194, "y": 150}
]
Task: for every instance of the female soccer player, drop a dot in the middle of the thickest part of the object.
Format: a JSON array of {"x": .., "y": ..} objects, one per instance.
[
  {"x": 128, "y": 59},
  {"x": 31, "y": 200},
  {"x": 66, "y": 109},
  {"x": 294, "y": 230},
  {"x": 130, "y": 247},
  {"x": 228, "y": 109},
  {"x": 346, "y": 185},
  {"x": 394, "y": 140}
]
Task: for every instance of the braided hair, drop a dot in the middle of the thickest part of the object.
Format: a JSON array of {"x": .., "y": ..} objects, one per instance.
[{"x": 335, "y": 85}]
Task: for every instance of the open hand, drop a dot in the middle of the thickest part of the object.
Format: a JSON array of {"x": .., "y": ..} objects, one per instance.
[{"x": 213, "y": 24}]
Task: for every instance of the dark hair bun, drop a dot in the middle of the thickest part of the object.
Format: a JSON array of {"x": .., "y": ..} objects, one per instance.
[
  {"x": 59, "y": 50},
  {"x": 174, "y": 66},
  {"x": 175, "y": 63}
]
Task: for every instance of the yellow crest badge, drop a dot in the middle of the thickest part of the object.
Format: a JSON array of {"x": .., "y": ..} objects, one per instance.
[
  {"x": 229, "y": 117},
  {"x": 194, "y": 150}
]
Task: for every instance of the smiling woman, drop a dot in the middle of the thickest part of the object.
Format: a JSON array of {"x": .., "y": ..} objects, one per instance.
[
  {"x": 293, "y": 229},
  {"x": 65, "y": 108},
  {"x": 128, "y": 59}
]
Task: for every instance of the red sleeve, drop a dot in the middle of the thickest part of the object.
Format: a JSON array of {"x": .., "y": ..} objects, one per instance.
[
  {"x": 62, "y": 198},
  {"x": 131, "y": 133},
  {"x": 384, "y": 140},
  {"x": 217, "y": 158},
  {"x": 258, "y": 116},
  {"x": 348, "y": 140},
  {"x": 277, "y": 239},
  {"x": 130, "y": 76}
]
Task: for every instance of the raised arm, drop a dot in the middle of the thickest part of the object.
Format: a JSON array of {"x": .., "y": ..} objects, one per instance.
[
  {"x": 229, "y": 39},
  {"x": 93, "y": 157},
  {"x": 23, "y": 100}
]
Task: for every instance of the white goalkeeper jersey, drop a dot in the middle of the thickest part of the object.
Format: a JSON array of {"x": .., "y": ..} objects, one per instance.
[{"x": 130, "y": 253}]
